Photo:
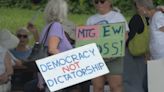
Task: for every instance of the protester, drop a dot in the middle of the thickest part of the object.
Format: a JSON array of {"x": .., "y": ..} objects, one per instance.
[
  {"x": 7, "y": 41},
  {"x": 106, "y": 15},
  {"x": 55, "y": 14},
  {"x": 21, "y": 53},
  {"x": 23, "y": 50},
  {"x": 156, "y": 27},
  {"x": 135, "y": 68}
]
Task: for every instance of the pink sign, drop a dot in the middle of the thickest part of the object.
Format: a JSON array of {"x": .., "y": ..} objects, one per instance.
[{"x": 88, "y": 32}]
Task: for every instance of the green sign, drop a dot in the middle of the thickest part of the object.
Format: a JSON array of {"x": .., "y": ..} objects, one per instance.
[{"x": 110, "y": 38}]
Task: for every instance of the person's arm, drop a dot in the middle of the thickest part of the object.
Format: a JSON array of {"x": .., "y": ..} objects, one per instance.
[
  {"x": 56, "y": 33},
  {"x": 34, "y": 31},
  {"x": 136, "y": 25},
  {"x": 5, "y": 77},
  {"x": 15, "y": 61},
  {"x": 8, "y": 65},
  {"x": 126, "y": 36},
  {"x": 53, "y": 43},
  {"x": 161, "y": 29}
]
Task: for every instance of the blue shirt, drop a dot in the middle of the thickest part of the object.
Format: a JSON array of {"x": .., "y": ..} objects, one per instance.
[{"x": 21, "y": 54}]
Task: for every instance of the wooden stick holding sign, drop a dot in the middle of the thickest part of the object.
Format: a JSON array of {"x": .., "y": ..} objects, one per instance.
[{"x": 110, "y": 38}]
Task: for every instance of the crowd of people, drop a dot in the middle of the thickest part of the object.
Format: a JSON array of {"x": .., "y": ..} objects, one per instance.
[{"x": 127, "y": 74}]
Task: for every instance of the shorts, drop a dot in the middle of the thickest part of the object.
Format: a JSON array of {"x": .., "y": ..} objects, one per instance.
[{"x": 115, "y": 65}]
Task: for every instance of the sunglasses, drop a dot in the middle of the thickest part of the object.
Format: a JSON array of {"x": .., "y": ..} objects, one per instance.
[
  {"x": 22, "y": 36},
  {"x": 101, "y": 1}
]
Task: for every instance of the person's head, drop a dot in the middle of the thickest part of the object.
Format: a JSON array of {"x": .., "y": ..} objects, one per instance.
[
  {"x": 144, "y": 7},
  {"x": 56, "y": 10},
  {"x": 103, "y": 6},
  {"x": 23, "y": 35}
]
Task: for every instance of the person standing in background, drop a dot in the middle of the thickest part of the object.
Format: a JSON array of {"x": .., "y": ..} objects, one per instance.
[
  {"x": 21, "y": 53},
  {"x": 106, "y": 14},
  {"x": 23, "y": 50},
  {"x": 156, "y": 27},
  {"x": 7, "y": 41},
  {"x": 55, "y": 13},
  {"x": 135, "y": 67}
]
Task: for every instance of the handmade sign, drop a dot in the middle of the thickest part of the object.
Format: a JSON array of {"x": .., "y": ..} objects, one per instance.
[
  {"x": 110, "y": 38},
  {"x": 72, "y": 67},
  {"x": 156, "y": 75}
]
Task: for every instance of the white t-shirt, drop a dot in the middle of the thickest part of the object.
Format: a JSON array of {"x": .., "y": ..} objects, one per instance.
[
  {"x": 110, "y": 17},
  {"x": 157, "y": 36}
]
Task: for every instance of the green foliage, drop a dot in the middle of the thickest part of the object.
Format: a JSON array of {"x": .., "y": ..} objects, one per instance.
[
  {"x": 125, "y": 6},
  {"x": 159, "y": 2},
  {"x": 16, "y": 3},
  {"x": 27, "y": 4},
  {"x": 14, "y": 18},
  {"x": 75, "y": 6},
  {"x": 78, "y": 19},
  {"x": 81, "y": 6},
  {"x": 86, "y": 6}
]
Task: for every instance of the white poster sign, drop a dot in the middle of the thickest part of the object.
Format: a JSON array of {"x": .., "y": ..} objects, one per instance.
[
  {"x": 72, "y": 67},
  {"x": 156, "y": 75}
]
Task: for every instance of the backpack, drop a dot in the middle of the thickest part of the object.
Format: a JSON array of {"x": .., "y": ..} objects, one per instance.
[{"x": 139, "y": 44}]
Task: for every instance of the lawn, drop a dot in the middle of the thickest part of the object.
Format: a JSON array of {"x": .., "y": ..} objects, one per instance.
[{"x": 15, "y": 18}]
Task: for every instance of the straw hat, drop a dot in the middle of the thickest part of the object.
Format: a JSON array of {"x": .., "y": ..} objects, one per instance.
[{"x": 7, "y": 39}]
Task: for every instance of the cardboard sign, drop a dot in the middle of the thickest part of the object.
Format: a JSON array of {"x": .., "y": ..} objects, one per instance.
[
  {"x": 156, "y": 75},
  {"x": 72, "y": 67},
  {"x": 110, "y": 38}
]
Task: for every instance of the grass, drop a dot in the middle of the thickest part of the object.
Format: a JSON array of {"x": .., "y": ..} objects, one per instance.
[
  {"x": 15, "y": 18},
  {"x": 78, "y": 19}
]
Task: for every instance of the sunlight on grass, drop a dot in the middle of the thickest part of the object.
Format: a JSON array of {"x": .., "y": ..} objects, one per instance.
[
  {"x": 78, "y": 19},
  {"x": 15, "y": 18}
]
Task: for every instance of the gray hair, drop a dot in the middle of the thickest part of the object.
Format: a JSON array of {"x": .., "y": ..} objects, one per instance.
[
  {"x": 56, "y": 10},
  {"x": 145, "y": 3},
  {"x": 22, "y": 29}
]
